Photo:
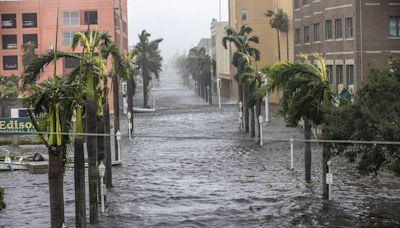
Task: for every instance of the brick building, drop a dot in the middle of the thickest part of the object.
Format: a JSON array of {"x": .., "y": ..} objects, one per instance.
[{"x": 353, "y": 36}]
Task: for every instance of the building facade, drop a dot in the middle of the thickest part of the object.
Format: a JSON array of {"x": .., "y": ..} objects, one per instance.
[
  {"x": 36, "y": 21},
  {"x": 252, "y": 13},
  {"x": 353, "y": 36},
  {"x": 221, "y": 56}
]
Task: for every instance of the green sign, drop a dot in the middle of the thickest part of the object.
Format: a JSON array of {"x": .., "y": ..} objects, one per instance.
[{"x": 11, "y": 126}]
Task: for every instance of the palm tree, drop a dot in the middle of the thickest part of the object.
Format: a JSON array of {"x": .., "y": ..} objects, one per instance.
[
  {"x": 8, "y": 94},
  {"x": 307, "y": 94},
  {"x": 242, "y": 57},
  {"x": 149, "y": 60},
  {"x": 54, "y": 99},
  {"x": 280, "y": 22},
  {"x": 91, "y": 41},
  {"x": 200, "y": 64},
  {"x": 129, "y": 77}
]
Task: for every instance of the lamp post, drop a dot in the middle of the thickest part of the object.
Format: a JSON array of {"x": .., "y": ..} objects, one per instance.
[
  {"x": 119, "y": 145},
  {"x": 260, "y": 120},
  {"x": 102, "y": 171},
  {"x": 291, "y": 154},
  {"x": 129, "y": 125},
  {"x": 329, "y": 180},
  {"x": 266, "y": 99},
  {"x": 241, "y": 115}
]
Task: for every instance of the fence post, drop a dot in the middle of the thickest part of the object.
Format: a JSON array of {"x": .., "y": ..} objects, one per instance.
[{"x": 291, "y": 154}]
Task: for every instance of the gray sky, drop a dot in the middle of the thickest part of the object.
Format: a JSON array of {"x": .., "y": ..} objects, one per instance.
[{"x": 180, "y": 22}]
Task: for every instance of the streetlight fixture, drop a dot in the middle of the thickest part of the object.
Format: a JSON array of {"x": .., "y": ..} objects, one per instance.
[
  {"x": 260, "y": 120},
  {"x": 119, "y": 145},
  {"x": 102, "y": 171},
  {"x": 266, "y": 99},
  {"x": 129, "y": 125}
]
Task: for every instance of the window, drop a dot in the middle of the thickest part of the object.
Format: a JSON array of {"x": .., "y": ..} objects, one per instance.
[
  {"x": 9, "y": 42},
  {"x": 306, "y": 34},
  {"x": 297, "y": 36},
  {"x": 213, "y": 41},
  {"x": 306, "y": 2},
  {"x": 8, "y": 21},
  {"x": 10, "y": 62},
  {"x": 33, "y": 38},
  {"x": 349, "y": 27},
  {"x": 90, "y": 17},
  {"x": 394, "y": 25},
  {"x": 350, "y": 74},
  {"x": 329, "y": 73},
  {"x": 71, "y": 18},
  {"x": 296, "y": 4},
  {"x": 328, "y": 29},
  {"x": 338, "y": 29},
  {"x": 29, "y": 20},
  {"x": 71, "y": 63},
  {"x": 339, "y": 74},
  {"x": 244, "y": 14},
  {"x": 67, "y": 37},
  {"x": 317, "y": 33}
]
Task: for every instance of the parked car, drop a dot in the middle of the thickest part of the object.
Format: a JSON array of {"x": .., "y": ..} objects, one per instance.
[
  {"x": 7, "y": 23},
  {"x": 10, "y": 66},
  {"x": 11, "y": 46},
  {"x": 28, "y": 23}
]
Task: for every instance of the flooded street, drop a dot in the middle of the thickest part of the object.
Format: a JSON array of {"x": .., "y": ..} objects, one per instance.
[{"x": 205, "y": 179}]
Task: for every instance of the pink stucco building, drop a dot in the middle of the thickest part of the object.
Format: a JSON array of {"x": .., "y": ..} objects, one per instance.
[{"x": 35, "y": 21}]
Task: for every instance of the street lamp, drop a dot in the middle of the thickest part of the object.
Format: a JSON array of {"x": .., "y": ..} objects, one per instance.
[
  {"x": 241, "y": 115},
  {"x": 129, "y": 125},
  {"x": 260, "y": 120},
  {"x": 329, "y": 180},
  {"x": 102, "y": 171},
  {"x": 119, "y": 145},
  {"x": 266, "y": 100}
]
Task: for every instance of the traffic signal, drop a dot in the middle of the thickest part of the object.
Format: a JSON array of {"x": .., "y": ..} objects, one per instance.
[{"x": 219, "y": 83}]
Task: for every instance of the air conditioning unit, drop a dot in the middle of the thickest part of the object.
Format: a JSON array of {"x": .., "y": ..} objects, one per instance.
[
  {"x": 351, "y": 89},
  {"x": 340, "y": 88}
]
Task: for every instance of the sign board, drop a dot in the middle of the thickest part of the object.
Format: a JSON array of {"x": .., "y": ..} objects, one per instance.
[
  {"x": 9, "y": 126},
  {"x": 329, "y": 178}
]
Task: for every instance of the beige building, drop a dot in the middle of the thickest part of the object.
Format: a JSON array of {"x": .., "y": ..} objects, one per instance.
[
  {"x": 221, "y": 56},
  {"x": 252, "y": 13}
]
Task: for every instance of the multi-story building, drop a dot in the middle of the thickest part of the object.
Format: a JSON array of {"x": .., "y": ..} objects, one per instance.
[
  {"x": 352, "y": 35},
  {"x": 252, "y": 13},
  {"x": 221, "y": 56},
  {"x": 36, "y": 21}
]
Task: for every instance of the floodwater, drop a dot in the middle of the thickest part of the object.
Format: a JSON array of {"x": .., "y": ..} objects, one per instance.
[{"x": 207, "y": 180}]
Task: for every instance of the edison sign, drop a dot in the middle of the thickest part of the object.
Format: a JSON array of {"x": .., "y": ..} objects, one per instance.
[{"x": 16, "y": 126}]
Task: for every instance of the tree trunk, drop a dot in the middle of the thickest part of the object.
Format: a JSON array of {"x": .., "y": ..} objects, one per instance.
[
  {"x": 287, "y": 46},
  {"x": 246, "y": 108},
  {"x": 129, "y": 92},
  {"x": 145, "y": 87},
  {"x": 79, "y": 175},
  {"x": 91, "y": 128},
  {"x": 56, "y": 186},
  {"x": 115, "y": 82},
  {"x": 210, "y": 89},
  {"x": 107, "y": 147},
  {"x": 253, "y": 123},
  {"x": 258, "y": 113},
  {"x": 325, "y": 159},
  {"x": 307, "y": 150},
  {"x": 100, "y": 148},
  {"x": 279, "y": 45}
]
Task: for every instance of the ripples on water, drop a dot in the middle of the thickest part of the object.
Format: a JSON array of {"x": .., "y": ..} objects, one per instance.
[{"x": 213, "y": 183}]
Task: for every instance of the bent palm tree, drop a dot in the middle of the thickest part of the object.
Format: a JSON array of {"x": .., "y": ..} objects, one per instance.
[
  {"x": 280, "y": 22},
  {"x": 149, "y": 60},
  {"x": 242, "y": 57},
  {"x": 307, "y": 94}
]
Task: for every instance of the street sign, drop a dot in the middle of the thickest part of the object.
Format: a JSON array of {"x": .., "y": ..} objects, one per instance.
[
  {"x": 10, "y": 126},
  {"x": 329, "y": 178}
]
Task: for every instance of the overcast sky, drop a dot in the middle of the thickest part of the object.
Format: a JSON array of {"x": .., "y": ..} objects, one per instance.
[{"x": 182, "y": 23}]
